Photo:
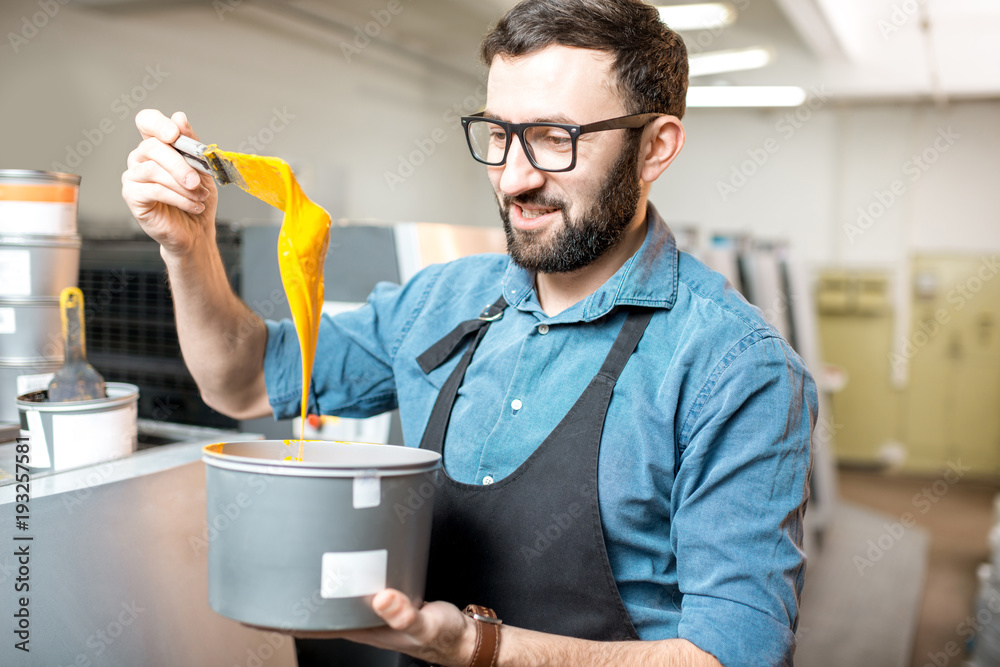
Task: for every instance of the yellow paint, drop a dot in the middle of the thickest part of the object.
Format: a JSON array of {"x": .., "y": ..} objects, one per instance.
[{"x": 302, "y": 244}]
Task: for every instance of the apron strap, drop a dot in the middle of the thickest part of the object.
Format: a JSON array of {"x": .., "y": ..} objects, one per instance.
[{"x": 439, "y": 352}]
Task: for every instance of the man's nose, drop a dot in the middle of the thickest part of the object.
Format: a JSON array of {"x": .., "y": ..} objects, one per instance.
[{"x": 519, "y": 175}]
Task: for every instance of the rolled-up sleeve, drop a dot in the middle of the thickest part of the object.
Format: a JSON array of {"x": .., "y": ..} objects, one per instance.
[{"x": 738, "y": 501}]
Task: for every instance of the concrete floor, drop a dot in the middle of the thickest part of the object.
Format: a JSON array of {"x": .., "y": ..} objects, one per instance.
[{"x": 957, "y": 511}]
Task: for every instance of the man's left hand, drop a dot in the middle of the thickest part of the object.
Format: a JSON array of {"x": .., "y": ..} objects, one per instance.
[{"x": 438, "y": 633}]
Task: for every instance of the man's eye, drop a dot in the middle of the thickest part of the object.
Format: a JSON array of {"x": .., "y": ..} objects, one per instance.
[{"x": 498, "y": 136}]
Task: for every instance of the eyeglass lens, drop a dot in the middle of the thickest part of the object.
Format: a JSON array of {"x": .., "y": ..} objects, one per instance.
[{"x": 549, "y": 147}]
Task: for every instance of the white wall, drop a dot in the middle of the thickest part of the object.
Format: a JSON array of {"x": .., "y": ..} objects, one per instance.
[
  {"x": 229, "y": 71},
  {"x": 831, "y": 162},
  {"x": 353, "y": 121}
]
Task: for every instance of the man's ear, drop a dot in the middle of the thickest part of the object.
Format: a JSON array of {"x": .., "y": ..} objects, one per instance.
[{"x": 662, "y": 140}]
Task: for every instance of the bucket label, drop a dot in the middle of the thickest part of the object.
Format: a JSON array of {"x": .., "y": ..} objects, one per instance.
[
  {"x": 37, "y": 217},
  {"x": 38, "y": 446},
  {"x": 367, "y": 490},
  {"x": 15, "y": 272},
  {"x": 353, "y": 574},
  {"x": 8, "y": 325}
]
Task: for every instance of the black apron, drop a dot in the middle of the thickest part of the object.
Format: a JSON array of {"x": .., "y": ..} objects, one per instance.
[{"x": 531, "y": 545}]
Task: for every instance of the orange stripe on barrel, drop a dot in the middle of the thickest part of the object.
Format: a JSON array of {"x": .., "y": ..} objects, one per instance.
[{"x": 43, "y": 193}]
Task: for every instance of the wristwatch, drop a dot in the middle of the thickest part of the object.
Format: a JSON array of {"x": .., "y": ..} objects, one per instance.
[{"x": 487, "y": 636}]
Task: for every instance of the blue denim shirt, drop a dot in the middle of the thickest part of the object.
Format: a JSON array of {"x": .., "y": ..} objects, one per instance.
[{"x": 712, "y": 554}]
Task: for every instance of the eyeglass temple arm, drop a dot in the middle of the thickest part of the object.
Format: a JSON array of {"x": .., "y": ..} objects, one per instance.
[{"x": 622, "y": 122}]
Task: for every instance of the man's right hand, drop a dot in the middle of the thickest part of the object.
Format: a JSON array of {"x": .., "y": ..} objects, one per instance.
[
  {"x": 173, "y": 202},
  {"x": 221, "y": 339}
]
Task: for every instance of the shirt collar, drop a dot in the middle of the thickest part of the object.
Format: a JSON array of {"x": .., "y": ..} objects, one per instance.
[{"x": 647, "y": 278}]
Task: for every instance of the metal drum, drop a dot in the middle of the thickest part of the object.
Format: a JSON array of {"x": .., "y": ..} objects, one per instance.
[
  {"x": 38, "y": 265},
  {"x": 306, "y": 545},
  {"x": 30, "y": 330},
  {"x": 38, "y": 202}
]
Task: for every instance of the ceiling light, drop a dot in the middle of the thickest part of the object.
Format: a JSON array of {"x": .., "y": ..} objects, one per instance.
[
  {"x": 745, "y": 96},
  {"x": 699, "y": 16},
  {"x": 734, "y": 60}
]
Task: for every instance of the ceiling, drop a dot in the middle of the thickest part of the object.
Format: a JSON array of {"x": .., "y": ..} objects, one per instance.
[
  {"x": 847, "y": 49},
  {"x": 875, "y": 49}
]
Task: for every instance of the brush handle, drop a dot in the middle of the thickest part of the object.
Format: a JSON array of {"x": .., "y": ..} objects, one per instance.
[{"x": 71, "y": 307}]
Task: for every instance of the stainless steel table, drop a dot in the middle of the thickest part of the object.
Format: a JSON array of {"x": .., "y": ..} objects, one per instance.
[{"x": 116, "y": 566}]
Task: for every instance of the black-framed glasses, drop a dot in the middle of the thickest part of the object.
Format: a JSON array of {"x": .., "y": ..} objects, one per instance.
[{"x": 549, "y": 146}]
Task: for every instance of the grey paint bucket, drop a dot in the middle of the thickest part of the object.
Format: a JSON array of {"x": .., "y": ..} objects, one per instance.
[{"x": 306, "y": 545}]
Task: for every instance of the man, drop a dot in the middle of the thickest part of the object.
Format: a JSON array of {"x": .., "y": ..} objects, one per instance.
[{"x": 626, "y": 441}]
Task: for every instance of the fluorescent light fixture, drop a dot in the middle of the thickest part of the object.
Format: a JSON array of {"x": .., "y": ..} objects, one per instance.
[
  {"x": 745, "y": 96},
  {"x": 733, "y": 60},
  {"x": 698, "y": 17}
]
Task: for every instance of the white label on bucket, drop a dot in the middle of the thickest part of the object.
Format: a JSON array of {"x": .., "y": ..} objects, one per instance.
[
  {"x": 38, "y": 448},
  {"x": 353, "y": 574},
  {"x": 29, "y": 383},
  {"x": 83, "y": 439},
  {"x": 37, "y": 217},
  {"x": 15, "y": 272},
  {"x": 367, "y": 490},
  {"x": 8, "y": 325}
]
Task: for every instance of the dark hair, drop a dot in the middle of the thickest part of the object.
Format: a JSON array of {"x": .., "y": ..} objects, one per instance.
[{"x": 650, "y": 59}]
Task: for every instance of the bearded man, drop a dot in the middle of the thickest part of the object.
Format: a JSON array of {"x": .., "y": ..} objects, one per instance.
[{"x": 595, "y": 377}]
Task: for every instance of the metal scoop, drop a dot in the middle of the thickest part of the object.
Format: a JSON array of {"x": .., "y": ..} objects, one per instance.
[
  {"x": 76, "y": 380},
  {"x": 218, "y": 168}
]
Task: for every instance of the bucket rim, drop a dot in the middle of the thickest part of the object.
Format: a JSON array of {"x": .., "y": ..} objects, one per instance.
[
  {"x": 425, "y": 461},
  {"x": 41, "y": 240},
  {"x": 119, "y": 393},
  {"x": 39, "y": 175}
]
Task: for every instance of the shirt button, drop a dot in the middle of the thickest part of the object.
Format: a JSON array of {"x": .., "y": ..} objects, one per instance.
[
  {"x": 543, "y": 329},
  {"x": 516, "y": 404},
  {"x": 487, "y": 480}
]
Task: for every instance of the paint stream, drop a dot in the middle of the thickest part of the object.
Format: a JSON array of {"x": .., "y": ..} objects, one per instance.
[{"x": 302, "y": 244}]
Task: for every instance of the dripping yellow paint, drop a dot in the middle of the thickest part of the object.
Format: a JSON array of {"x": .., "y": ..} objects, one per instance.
[{"x": 302, "y": 244}]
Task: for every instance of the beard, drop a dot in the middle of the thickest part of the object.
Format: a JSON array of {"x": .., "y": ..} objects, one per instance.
[{"x": 583, "y": 238}]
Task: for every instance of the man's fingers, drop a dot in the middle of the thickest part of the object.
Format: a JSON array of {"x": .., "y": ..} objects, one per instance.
[
  {"x": 152, "y": 123},
  {"x": 145, "y": 196},
  {"x": 153, "y": 172},
  {"x": 154, "y": 150},
  {"x": 398, "y": 611}
]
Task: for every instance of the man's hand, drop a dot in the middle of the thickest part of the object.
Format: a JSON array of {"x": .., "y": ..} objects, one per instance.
[
  {"x": 441, "y": 634},
  {"x": 173, "y": 203},
  {"x": 438, "y": 633}
]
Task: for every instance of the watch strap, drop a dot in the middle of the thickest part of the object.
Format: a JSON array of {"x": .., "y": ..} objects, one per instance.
[{"x": 487, "y": 635}]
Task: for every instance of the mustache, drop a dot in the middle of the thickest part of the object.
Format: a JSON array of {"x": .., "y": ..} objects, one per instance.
[{"x": 533, "y": 198}]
